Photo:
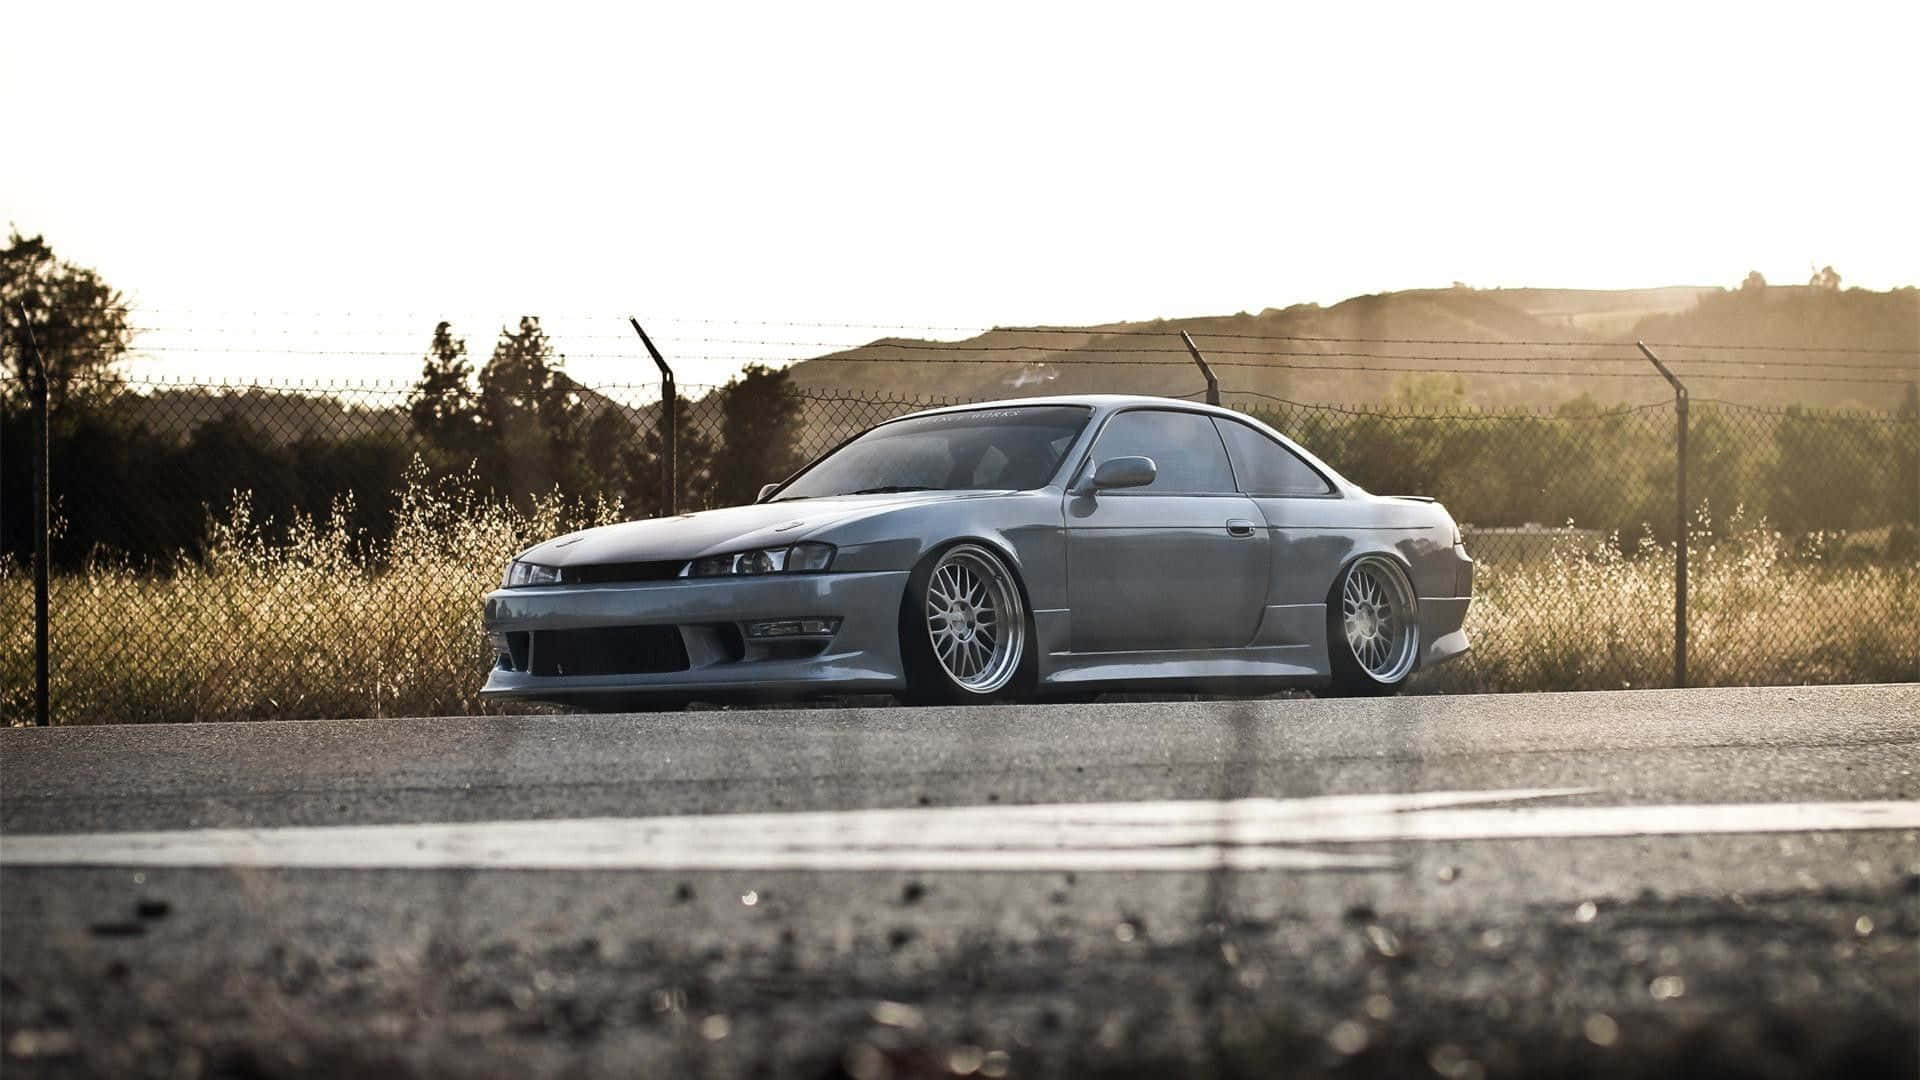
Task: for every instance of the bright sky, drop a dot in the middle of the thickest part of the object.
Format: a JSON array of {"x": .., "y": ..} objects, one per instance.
[{"x": 956, "y": 165}]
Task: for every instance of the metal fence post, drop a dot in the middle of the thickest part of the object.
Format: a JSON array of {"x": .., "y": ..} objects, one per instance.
[
  {"x": 1213, "y": 384},
  {"x": 669, "y": 442},
  {"x": 1680, "y": 519},
  {"x": 42, "y": 529}
]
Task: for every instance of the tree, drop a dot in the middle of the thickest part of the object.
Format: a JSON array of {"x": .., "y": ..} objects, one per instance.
[
  {"x": 1827, "y": 473},
  {"x": 75, "y": 321},
  {"x": 442, "y": 405},
  {"x": 640, "y": 464},
  {"x": 1721, "y": 471},
  {"x": 1827, "y": 278},
  {"x": 531, "y": 414},
  {"x": 1428, "y": 393},
  {"x": 760, "y": 426},
  {"x": 1753, "y": 282}
]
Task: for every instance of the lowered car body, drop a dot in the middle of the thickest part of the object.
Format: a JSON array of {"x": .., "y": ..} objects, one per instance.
[{"x": 1064, "y": 543}]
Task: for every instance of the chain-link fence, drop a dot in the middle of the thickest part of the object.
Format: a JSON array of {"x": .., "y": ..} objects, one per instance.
[{"x": 255, "y": 550}]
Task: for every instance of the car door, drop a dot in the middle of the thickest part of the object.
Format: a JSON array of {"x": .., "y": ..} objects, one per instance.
[
  {"x": 1299, "y": 510},
  {"x": 1181, "y": 563}
]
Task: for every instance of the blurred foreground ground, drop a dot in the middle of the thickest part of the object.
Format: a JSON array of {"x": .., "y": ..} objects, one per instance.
[{"x": 1782, "y": 953}]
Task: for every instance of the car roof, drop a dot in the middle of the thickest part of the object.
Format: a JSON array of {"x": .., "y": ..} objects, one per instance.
[{"x": 1093, "y": 401}]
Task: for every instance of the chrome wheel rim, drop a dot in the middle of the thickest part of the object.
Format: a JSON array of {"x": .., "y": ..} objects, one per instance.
[
  {"x": 974, "y": 619},
  {"x": 1377, "y": 613}
]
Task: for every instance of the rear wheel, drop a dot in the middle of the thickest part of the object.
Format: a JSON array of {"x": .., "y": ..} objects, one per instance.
[
  {"x": 964, "y": 628},
  {"x": 1373, "y": 627}
]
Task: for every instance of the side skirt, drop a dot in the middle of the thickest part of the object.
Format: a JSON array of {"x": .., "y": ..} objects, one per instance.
[{"x": 1291, "y": 664}]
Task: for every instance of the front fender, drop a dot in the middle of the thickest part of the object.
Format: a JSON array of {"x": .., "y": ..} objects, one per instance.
[{"x": 1025, "y": 527}]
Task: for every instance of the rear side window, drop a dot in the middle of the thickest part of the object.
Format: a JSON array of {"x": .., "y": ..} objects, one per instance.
[
  {"x": 1186, "y": 452},
  {"x": 1264, "y": 467}
]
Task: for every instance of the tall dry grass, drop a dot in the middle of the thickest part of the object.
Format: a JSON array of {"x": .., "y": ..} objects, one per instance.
[
  {"x": 314, "y": 621},
  {"x": 1762, "y": 609}
]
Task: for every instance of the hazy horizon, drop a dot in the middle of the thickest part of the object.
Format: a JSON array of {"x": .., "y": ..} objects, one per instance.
[{"x": 291, "y": 173}]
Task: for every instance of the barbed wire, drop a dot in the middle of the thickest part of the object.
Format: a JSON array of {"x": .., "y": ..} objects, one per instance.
[
  {"x": 1370, "y": 369},
  {"x": 1413, "y": 413},
  {"x": 1351, "y": 369},
  {"x": 696, "y": 392},
  {"x": 1586, "y": 344},
  {"x": 1158, "y": 328},
  {"x": 377, "y": 388},
  {"x": 1285, "y": 356},
  {"x": 557, "y": 316},
  {"x": 1451, "y": 358},
  {"x": 1098, "y": 332},
  {"x": 1180, "y": 350}
]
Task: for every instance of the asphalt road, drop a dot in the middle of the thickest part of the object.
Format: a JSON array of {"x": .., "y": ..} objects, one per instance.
[{"x": 1497, "y": 936}]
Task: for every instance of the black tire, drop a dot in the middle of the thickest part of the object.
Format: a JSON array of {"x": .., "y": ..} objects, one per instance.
[
  {"x": 1371, "y": 655},
  {"x": 972, "y": 638}
]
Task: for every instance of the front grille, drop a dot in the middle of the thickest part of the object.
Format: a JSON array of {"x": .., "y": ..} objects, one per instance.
[
  {"x": 603, "y": 573},
  {"x": 609, "y": 650}
]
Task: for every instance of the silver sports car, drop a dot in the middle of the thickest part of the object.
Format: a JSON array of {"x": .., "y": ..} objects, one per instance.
[{"x": 1041, "y": 546}]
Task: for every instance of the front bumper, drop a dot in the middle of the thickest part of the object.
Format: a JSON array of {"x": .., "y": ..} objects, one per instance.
[{"x": 862, "y": 656}]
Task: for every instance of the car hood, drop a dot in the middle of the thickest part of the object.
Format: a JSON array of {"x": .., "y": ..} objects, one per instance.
[{"x": 733, "y": 528}]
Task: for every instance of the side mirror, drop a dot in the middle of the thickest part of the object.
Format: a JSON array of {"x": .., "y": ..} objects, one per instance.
[
  {"x": 765, "y": 490},
  {"x": 1123, "y": 472}
]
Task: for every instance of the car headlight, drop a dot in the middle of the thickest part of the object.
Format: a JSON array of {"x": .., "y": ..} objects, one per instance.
[
  {"x": 526, "y": 573},
  {"x": 803, "y": 558}
]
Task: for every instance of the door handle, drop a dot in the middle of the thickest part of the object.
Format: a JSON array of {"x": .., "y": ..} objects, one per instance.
[{"x": 1239, "y": 527}]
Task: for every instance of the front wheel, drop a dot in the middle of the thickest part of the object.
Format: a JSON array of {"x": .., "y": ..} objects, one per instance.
[
  {"x": 1373, "y": 628},
  {"x": 963, "y": 628}
]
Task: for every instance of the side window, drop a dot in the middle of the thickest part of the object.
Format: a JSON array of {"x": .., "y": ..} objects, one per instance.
[
  {"x": 1186, "y": 452},
  {"x": 1264, "y": 467}
]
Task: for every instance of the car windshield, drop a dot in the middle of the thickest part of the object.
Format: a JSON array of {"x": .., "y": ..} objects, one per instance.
[{"x": 1003, "y": 449}]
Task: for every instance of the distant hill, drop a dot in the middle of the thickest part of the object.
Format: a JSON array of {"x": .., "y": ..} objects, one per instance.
[
  {"x": 1286, "y": 352},
  {"x": 1608, "y": 314}
]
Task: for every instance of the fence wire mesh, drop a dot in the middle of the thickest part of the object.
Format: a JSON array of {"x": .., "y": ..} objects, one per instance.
[{"x": 246, "y": 550}]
